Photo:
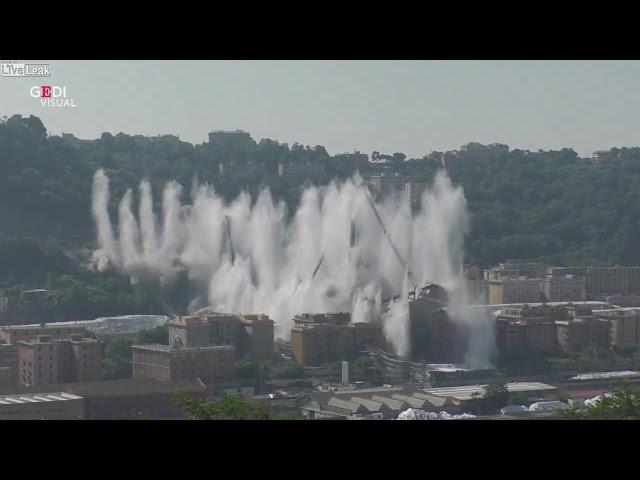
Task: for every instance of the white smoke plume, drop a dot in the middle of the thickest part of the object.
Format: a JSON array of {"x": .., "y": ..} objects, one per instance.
[{"x": 273, "y": 263}]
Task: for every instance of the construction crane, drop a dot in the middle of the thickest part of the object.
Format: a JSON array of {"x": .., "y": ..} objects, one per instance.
[
  {"x": 317, "y": 267},
  {"x": 227, "y": 232},
  {"x": 352, "y": 242},
  {"x": 353, "y": 239},
  {"x": 393, "y": 247}
]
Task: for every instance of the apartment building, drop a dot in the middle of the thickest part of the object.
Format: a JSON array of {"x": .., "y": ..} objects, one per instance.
[
  {"x": 564, "y": 288},
  {"x": 167, "y": 363},
  {"x": 9, "y": 362},
  {"x": 4, "y": 303},
  {"x": 604, "y": 280},
  {"x": 516, "y": 269},
  {"x": 256, "y": 336},
  {"x": 531, "y": 327},
  {"x": 514, "y": 290},
  {"x": 583, "y": 333},
  {"x": 476, "y": 285},
  {"x": 251, "y": 334},
  {"x": 625, "y": 326},
  {"x": 15, "y": 333},
  {"x": 324, "y": 338},
  {"x": 47, "y": 361}
]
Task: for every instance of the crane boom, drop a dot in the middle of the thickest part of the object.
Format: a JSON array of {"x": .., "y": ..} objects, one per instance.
[
  {"x": 393, "y": 247},
  {"x": 227, "y": 228},
  {"x": 317, "y": 267}
]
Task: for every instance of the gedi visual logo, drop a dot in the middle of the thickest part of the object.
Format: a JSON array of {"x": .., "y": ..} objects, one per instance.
[{"x": 52, "y": 96}]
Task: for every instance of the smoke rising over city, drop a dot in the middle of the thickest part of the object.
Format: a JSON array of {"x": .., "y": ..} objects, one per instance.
[{"x": 330, "y": 255}]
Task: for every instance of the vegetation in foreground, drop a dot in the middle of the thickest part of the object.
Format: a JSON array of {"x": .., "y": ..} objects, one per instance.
[
  {"x": 229, "y": 407},
  {"x": 622, "y": 404}
]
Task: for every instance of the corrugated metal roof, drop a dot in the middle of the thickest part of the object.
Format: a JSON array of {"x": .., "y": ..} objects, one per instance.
[
  {"x": 413, "y": 401},
  {"x": 370, "y": 405},
  {"x": 346, "y": 405},
  {"x": 466, "y": 392},
  {"x": 392, "y": 403},
  {"x": 436, "y": 400},
  {"x": 36, "y": 398}
]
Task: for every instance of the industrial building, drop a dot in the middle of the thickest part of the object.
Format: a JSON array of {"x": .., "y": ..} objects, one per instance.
[
  {"x": 168, "y": 363},
  {"x": 135, "y": 399},
  {"x": 126, "y": 399},
  {"x": 470, "y": 392},
  {"x": 42, "y": 406},
  {"x": 374, "y": 403}
]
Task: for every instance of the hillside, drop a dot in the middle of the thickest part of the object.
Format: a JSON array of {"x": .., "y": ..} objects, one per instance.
[{"x": 552, "y": 206}]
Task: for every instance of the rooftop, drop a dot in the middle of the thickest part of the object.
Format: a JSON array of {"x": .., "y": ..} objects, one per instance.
[
  {"x": 352, "y": 407},
  {"x": 466, "y": 392},
  {"x": 597, "y": 375},
  {"x": 236, "y": 132},
  {"x": 133, "y": 387},
  {"x": 51, "y": 326},
  {"x": 37, "y": 398},
  {"x": 168, "y": 348},
  {"x": 203, "y": 317}
]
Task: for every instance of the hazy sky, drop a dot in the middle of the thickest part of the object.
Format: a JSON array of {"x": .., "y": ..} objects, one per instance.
[{"x": 390, "y": 106}]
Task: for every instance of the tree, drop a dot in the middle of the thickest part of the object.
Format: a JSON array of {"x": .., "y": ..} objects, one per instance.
[
  {"x": 623, "y": 404},
  {"x": 117, "y": 357},
  {"x": 496, "y": 393},
  {"x": 159, "y": 334},
  {"x": 247, "y": 368},
  {"x": 493, "y": 397},
  {"x": 229, "y": 407}
]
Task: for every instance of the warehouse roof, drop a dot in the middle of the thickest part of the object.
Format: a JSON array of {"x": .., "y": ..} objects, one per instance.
[
  {"x": 338, "y": 403},
  {"x": 392, "y": 403},
  {"x": 370, "y": 405},
  {"x": 466, "y": 392},
  {"x": 37, "y": 398},
  {"x": 414, "y": 402},
  {"x": 131, "y": 387}
]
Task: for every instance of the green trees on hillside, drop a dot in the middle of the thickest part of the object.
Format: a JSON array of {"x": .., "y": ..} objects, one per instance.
[{"x": 547, "y": 205}]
